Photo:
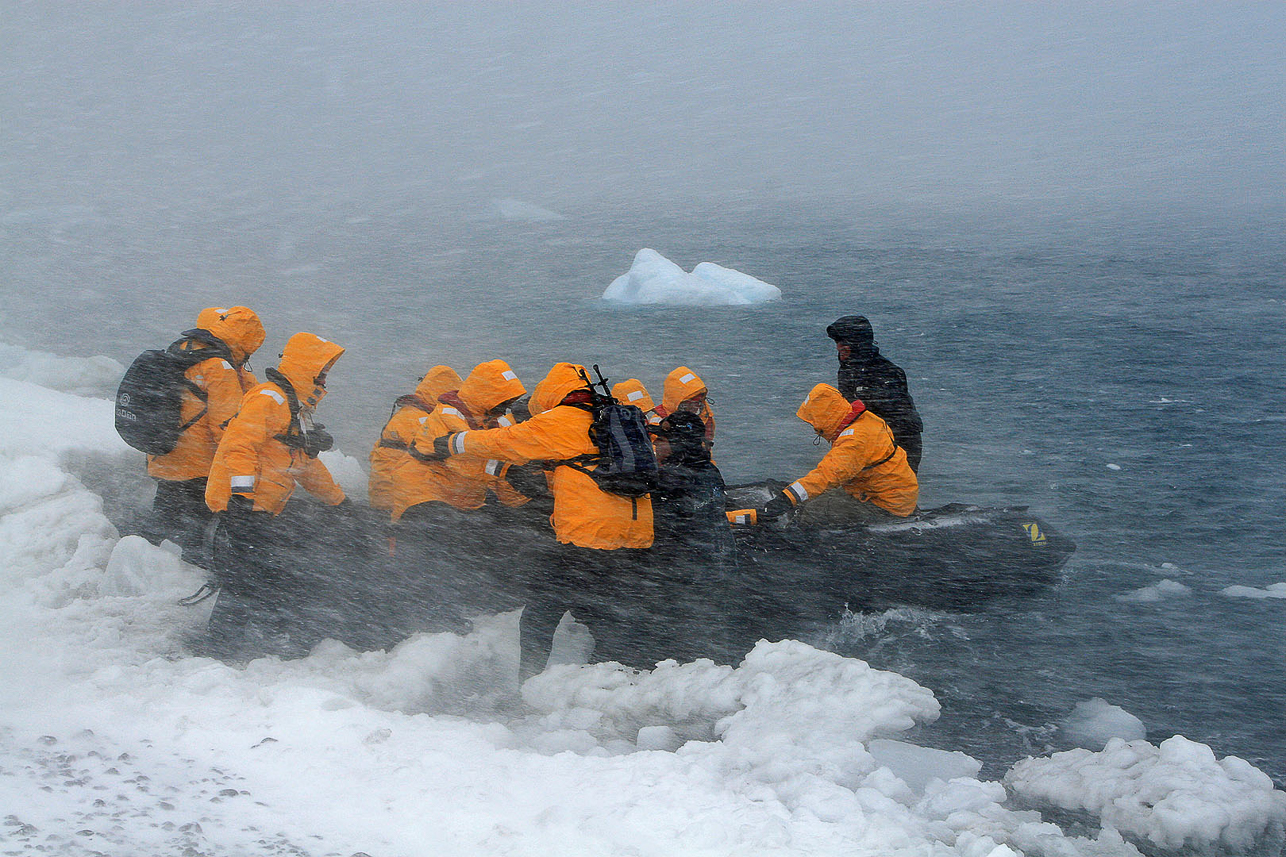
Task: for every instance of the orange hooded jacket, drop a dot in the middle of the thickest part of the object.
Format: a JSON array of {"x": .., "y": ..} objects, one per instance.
[
  {"x": 863, "y": 458},
  {"x": 683, "y": 384},
  {"x": 224, "y": 384},
  {"x": 632, "y": 392},
  {"x": 583, "y": 514},
  {"x": 462, "y": 481},
  {"x": 253, "y": 458},
  {"x": 400, "y": 431}
]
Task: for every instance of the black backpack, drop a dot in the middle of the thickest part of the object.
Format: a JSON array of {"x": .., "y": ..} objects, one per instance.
[
  {"x": 626, "y": 463},
  {"x": 149, "y": 401}
]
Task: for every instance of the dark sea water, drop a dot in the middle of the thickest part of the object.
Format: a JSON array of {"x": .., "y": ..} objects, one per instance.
[{"x": 1124, "y": 381}]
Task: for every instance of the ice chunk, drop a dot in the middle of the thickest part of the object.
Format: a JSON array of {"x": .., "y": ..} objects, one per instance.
[
  {"x": 916, "y": 766},
  {"x": 78, "y": 375},
  {"x": 347, "y": 472},
  {"x": 654, "y": 279},
  {"x": 516, "y": 209},
  {"x": 1094, "y": 722},
  {"x": 1174, "y": 795},
  {"x": 1277, "y": 590},
  {"x": 1156, "y": 592}
]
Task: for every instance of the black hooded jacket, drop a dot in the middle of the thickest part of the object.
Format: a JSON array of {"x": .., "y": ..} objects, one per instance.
[{"x": 879, "y": 383}]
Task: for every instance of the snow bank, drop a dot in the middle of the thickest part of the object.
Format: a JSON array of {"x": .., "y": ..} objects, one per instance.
[
  {"x": 1174, "y": 795},
  {"x": 84, "y": 376},
  {"x": 654, "y": 279},
  {"x": 114, "y": 739},
  {"x": 1095, "y": 722},
  {"x": 1276, "y": 590}
]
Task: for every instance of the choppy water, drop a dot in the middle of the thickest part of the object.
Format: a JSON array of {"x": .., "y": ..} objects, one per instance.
[{"x": 1037, "y": 359}]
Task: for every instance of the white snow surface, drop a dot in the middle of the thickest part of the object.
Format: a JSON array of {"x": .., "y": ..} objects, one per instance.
[
  {"x": 95, "y": 375},
  {"x": 113, "y": 739},
  {"x": 1096, "y": 721},
  {"x": 1174, "y": 795},
  {"x": 654, "y": 279}
]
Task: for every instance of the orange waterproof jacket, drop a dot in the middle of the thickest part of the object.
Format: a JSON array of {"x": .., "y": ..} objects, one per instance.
[
  {"x": 863, "y": 458},
  {"x": 254, "y": 457},
  {"x": 683, "y": 384},
  {"x": 632, "y": 392},
  {"x": 402, "y": 427},
  {"x": 583, "y": 514},
  {"x": 224, "y": 383},
  {"x": 462, "y": 480}
]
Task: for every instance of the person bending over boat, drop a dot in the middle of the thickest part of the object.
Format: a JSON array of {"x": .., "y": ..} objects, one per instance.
[
  {"x": 863, "y": 459},
  {"x": 440, "y": 538},
  {"x": 597, "y": 569},
  {"x": 695, "y": 556},
  {"x": 271, "y": 600},
  {"x": 867, "y": 375},
  {"x": 408, "y": 415},
  {"x": 685, "y": 391}
]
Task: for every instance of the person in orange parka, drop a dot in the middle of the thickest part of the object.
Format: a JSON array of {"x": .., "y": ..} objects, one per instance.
[
  {"x": 632, "y": 392},
  {"x": 409, "y": 413},
  {"x": 863, "y": 459},
  {"x": 596, "y": 568},
  {"x": 270, "y": 446},
  {"x": 684, "y": 390},
  {"x": 444, "y": 544},
  {"x": 179, "y": 513}
]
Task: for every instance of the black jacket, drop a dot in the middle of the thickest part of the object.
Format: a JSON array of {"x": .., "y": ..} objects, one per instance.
[{"x": 881, "y": 386}]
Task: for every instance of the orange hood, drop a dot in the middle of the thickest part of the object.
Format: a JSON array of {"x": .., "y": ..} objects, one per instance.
[
  {"x": 488, "y": 385},
  {"x": 239, "y": 328},
  {"x": 827, "y": 411},
  {"x": 632, "y": 392},
  {"x": 305, "y": 357},
  {"x": 680, "y": 385},
  {"x": 438, "y": 380},
  {"x": 561, "y": 380}
]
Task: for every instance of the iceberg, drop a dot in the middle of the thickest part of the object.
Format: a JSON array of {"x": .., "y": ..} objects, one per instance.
[{"x": 654, "y": 279}]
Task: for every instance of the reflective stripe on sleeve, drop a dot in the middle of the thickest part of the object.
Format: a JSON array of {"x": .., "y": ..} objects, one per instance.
[
  {"x": 493, "y": 467},
  {"x": 243, "y": 483},
  {"x": 798, "y": 490},
  {"x": 505, "y": 422},
  {"x": 450, "y": 410},
  {"x": 457, "y": 443},
  {"x": 277, "y": 397}
]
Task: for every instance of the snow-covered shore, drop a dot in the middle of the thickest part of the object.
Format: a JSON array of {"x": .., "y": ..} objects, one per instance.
[{"x": 114, "y": 740}]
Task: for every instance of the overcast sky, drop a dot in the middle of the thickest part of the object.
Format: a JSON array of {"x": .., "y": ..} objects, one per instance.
[{"x": 1148, "y": 105}]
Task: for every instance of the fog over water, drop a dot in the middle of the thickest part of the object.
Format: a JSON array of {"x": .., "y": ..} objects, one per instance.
[{"x": 1065, "y": 220}]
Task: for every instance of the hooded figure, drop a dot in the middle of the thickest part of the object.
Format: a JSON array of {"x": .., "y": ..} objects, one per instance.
[
  {"x": 264, "y": 451},
  {"x": 632, "y": 392},
  {"x": 596, "y": 569},
  {"x": 274, "y": 597},
  {"x": 684, "y": 390},
  {"x": 866, "y": 375},
  {"x": 863, "y": 459},
  {"x": 462, "y": 482},
  {"x": 230, "y": 335},
  {"x": 694, "y": 557},
  {"x": 443, "y": 545},
  {"x": 409, "y": 415}
]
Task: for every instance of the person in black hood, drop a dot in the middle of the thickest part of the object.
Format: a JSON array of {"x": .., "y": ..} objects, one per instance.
[
  {"x": 694, "y": 555},
  {"x": 867, "y": 375}
]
